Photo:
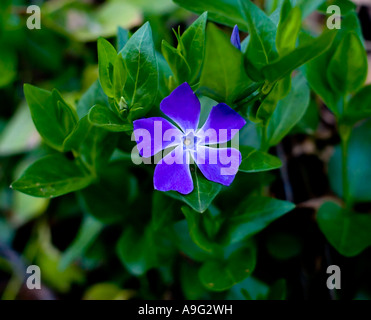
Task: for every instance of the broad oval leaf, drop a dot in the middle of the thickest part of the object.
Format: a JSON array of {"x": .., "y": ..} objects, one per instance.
[
  {"x": 254, "y": 160},
  {"x": 348, "y": 232},
  {"x": 103, "y": 117},
  {"x": 52, "y": 176}
]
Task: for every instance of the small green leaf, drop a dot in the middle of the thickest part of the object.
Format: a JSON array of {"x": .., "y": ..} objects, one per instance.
[
  {"x": 140, "y": 63},
  {"x": 223, "y": 76},
  {"x": 103, "y": 117},
  {"x": 203, "y": 194},
  {"x": 106, "y": 59},
  {"x": 252, "y": 216},
  {"x": 347, "y": 71},
  {"x": 257, "y": 161},
  {"x": 220, "y": 275},
  {"x": 348, "y": 232},
  {"x": 52, "y": 176},
  {"x": 163, "y": 210},
  {"x": 289, "y": 111},
  {"x": 53, "y": 117}
]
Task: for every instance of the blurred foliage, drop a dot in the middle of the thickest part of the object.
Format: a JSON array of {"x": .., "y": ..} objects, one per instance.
[{"x": 90, "y": 218}]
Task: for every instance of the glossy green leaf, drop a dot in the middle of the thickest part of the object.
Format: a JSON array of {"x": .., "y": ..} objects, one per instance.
[
  {"x": 348, "y": 232},
  {"x": 289, "y": 111},
  {"x": 52, "y": 176},
  {"x": 261, "y": 49},
  {"x": 163, "y": 210},
  {"x": 227, "y": 12},
  {"x": 296, "y": 58},
  {"x": 202, "y": 195},
  {"x": 220, "y": 275},
  {"x": 222, "y": 79},
  {"x": 347, "y": 71},
  {"x": 252, "y": 216},
  {"x": 53, "y": 117},
  {"x": 256, "y": 161},
  {"x": 106, "y": 59},
  {"x": 140, "y": 63},
  {"x": 103, "y": 117}
]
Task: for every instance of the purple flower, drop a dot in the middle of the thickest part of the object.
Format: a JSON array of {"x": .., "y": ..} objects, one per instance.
[
  {"x": 235, "y": 38},
  {"x": 191, "y": 144}
]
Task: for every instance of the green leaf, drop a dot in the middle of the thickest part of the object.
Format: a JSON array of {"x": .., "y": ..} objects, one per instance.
[
  {"x": 261, "y": 49},
  {"x": 163, "y": 210},
  {"x": 186, "y": 61},
  {"x": 359, "y": 106},
  {"x": 140, "y": 63},
  {"x": 296, "y": 58},
  {"x": 94, "y": 95},
  {"x": 198, "y": 233},
  {"x": 347, "y": 71},
  {"x": 109, "y": 199},
  {"x": 52, "y": 176},
  {"x": 220, "y": 275},
  {"x": 358, "y": 166},
  {"x": 256, "y": 161},
  {"x": 203, "y": 194},
  {"x": 289, "y": 111},
  {"x": 53, "y": 117},
  {"x": 137, "y": 251},
  {"x": 348, "y": 232},
  {"x": 103, "y": 117},
  {"x": 185, "y": 243},
  {"x": 223, "y": 77},
  {"x": 252, "y": 216},
  {"x": 227, "y": 12},
  {"x": 288, "y": 30},
  {"x": 318, "y": 80},
  {"x": 92, "y": 144},
  {"x": 88, "y": 232},
  {"x": 106, "y": 59}
]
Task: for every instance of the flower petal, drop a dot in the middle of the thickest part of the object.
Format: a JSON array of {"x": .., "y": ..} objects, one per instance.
[
  {"x": 182, "y": 106},
  {"x": 174, "y": 176},
  {"x": 155, "y": 134},
  {"x": 218, "y": 165},
  {"x": 221, "y": 125},
  {"x": 235, "y": 38}
]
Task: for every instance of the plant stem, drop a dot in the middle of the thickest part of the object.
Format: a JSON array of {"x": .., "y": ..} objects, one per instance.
[{"x": 345, "y": 131}]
